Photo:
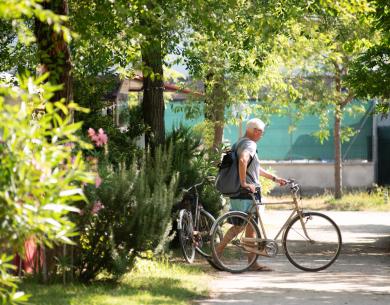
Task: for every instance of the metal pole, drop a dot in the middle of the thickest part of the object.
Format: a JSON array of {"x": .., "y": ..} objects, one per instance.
[{"x": 375, "y": 144}]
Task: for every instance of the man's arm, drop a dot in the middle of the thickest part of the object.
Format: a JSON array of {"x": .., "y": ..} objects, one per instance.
[
  {"x": 274, "y": 178},
  {"x": 242, "y": 166}
]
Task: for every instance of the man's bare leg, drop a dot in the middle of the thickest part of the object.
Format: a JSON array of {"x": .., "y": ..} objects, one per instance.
[
  {"x": 250, "y": 232},
  {"x": 227, "y": 238}
]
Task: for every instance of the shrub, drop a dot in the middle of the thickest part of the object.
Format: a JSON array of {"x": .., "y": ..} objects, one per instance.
[
  {"x": 40, "y": 178},
  {"x": 186, "y": 151},
  {"x": 194, "y": 163},
  {"x": 129, "y": 214}
]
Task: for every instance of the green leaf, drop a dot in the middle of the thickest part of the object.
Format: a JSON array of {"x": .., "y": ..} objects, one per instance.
[
  {"x": 60, "y": 207},
  {"x": 71, "y": 192}
]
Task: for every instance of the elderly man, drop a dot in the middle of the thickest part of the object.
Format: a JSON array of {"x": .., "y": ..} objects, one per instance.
[{"x": 250, "y": 172}]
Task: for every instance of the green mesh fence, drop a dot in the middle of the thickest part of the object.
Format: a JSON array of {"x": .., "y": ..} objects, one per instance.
[{"x": 278, "y": 144}]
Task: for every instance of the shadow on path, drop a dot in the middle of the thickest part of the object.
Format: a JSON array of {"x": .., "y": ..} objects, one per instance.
[{"x": 361, "y": 275}]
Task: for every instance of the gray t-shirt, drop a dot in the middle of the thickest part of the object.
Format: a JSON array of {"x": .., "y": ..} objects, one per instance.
[{"x": 254, "y": 168}]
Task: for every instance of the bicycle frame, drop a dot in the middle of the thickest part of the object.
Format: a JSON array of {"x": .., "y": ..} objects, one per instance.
[
  {"x": 297, "y": 210},
  {"x": 197, "y": 206},
  {"x": 241, "y": 234}
]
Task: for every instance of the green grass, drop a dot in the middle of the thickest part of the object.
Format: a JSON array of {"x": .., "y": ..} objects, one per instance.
[
  {"x": 150, "y": 282},
  {"x": 353, "y": 201},
  {"x": 359, "y": 202}
]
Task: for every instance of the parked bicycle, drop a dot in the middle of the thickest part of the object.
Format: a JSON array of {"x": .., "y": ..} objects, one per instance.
[
  {"x": 311, "y": 240},
  {"x": 194, "y": 224}
]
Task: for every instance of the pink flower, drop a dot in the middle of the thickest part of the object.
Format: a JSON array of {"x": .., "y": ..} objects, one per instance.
[
  {"x": 98, "y": 181},
  {"x": 97, "y": 206},
  {"x": 99, "y": 138},
  {"x": 91, "y": 133}
]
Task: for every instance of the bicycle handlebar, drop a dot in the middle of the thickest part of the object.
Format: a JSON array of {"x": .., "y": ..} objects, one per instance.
[
  {"x": 193, "y": 187},
  {"x": 294, "y": 187},
  {"x": 208, "y": 178},
  {"x": 290, "y": 182}
]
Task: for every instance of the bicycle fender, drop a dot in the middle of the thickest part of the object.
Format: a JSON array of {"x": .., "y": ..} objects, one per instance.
[{"x": 180, "y": 217}]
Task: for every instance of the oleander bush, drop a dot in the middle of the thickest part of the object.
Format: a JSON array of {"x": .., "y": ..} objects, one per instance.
[{"x": 40, "y": 177}]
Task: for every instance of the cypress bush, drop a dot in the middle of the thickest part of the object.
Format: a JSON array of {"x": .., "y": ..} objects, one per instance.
[{"x": 129, "y": 215}]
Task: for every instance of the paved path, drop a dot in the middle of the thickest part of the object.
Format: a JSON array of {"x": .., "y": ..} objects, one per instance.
[{"x": 360, "y": 276}]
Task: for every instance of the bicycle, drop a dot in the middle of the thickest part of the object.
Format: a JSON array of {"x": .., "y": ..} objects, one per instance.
[
  {"x": 194, "y": 226},
  {"x": 311, "y": 240}
]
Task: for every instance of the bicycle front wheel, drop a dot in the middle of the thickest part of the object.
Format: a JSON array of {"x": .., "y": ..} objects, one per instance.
[
  {"x": 239, "y": 234},
  {"x": 312, "y": 243},
  {"x": 186, "y": 236}
]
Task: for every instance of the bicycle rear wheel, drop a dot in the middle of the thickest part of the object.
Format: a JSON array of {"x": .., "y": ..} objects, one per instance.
[
  {"x": 202, "y": 234},
  {"x": 186, "y": 236},
  {"x": 231, "y": 252},
  {"x": 316, "y": 250}
]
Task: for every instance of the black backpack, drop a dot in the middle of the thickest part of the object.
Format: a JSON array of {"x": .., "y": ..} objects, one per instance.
[{"x": 228, "y": 178}]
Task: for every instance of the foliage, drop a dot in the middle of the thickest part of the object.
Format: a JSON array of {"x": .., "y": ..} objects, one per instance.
[
  {"x": 306, "y": 74},
  {"x": 305, "y": 66},
  {"x": 40, "y": 178},
  {"x": 8, "y": 283},
  {"x": 15, "y": 55},
  {"x": 195, "y": 163},
  {"x": 107, "y": 37},
  {"x": 370, "y": 72},
  {"x": 186, "y": 148},
  {"x": 369, "y": 75},
  {"x": 205, "y": 129},
  {"x": 95, "y": 94},
  {"x": 19, "y": 11},
  {"x": 128, "y": 215},
  {"x": 227, "y": 54}
]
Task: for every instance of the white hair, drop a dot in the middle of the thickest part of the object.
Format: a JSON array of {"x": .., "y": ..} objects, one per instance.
[{"x": 255, "y": 123}]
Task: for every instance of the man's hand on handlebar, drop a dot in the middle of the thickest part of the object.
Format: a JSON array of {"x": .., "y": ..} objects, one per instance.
[{"x": 281, "y": 181}]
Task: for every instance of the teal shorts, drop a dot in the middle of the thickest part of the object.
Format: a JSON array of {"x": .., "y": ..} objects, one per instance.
[{"x": 242, "y": 205}]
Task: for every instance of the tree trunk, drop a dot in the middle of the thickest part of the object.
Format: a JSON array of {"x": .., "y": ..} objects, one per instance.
[
  {"x": 54, "y": 53},
  {"x": 338, "y": 178},
  {"x": 153, "y": 99},
  {"x": 45, "y": 272},
  {"x": 338, "y": 181},
  {"x": 215, "y": 107},
  {"x": 219, "y": 115}
]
